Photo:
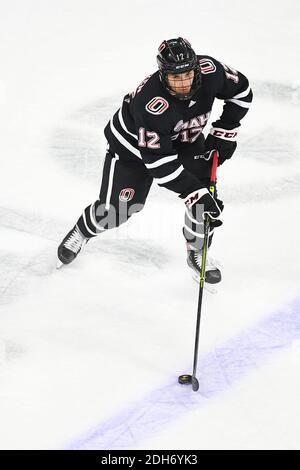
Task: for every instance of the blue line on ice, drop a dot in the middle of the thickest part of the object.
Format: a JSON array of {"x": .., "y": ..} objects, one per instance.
[{"x": 218, "y": 369}]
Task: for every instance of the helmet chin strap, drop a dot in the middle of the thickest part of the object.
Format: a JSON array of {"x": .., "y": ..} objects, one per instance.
[{"x": 180, "y": 96}]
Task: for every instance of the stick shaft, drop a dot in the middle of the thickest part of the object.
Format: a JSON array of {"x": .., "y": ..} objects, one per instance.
[{"x": 212, "y": 190}]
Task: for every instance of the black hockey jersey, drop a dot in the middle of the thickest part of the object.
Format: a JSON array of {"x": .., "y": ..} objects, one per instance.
[{"x": 155, "y": 127}]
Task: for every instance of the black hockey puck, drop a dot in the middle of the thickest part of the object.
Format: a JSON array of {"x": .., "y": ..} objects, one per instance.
[{"x": 185, "y": 379}]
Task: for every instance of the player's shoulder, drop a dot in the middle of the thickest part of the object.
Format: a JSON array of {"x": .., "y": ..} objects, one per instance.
[
  {"x": 212, "y": 72},
  {"x": 203, "y": 57},
  {"x": 150, "y": 94},
  {"x": 152, "y": 102},
  {"x": 209, "y": 66}
]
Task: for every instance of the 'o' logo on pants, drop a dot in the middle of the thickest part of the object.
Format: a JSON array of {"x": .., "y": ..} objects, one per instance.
[{"x": 126, "y": 194}]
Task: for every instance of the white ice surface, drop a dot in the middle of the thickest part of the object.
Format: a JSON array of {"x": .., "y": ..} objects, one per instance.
[{"x": 127, "y": 307}]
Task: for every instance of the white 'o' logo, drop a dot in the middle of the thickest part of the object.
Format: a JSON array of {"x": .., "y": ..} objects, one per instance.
[{"x": 157, "y": 105}]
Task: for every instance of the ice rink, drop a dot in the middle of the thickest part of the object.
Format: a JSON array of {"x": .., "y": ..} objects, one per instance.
[{"x": 90, "y": 354}]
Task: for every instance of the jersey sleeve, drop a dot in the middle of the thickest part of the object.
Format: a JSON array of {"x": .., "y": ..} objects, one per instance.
[
  {"x": 233, "y": 87},
  {"x": 159, "y": 156}
]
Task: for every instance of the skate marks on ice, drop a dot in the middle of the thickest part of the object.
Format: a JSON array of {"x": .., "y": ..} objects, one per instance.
[
  {"x": 30, "y": 253},
  {"x": 119, "y": 257},
  {"x": 30, "y": 223},
  {"x": 243, "y": 193},
  {"x": 25, "y": 255},
  {"x": 136, "y": 254},
  {"x": 79, "y": 145},
  {"x": 218, "y": 370},
  {"x": 10, "y": 351},
  {"x": 282, "y": 92},
  {"x": 267, "y": 158}
]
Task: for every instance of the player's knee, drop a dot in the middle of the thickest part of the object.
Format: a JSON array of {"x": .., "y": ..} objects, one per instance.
[
  {"x": 106, "y": 216},
  {"x": 109, "y": 216}
]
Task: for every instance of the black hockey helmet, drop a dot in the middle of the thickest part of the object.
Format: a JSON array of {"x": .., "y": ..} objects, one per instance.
[{"x": 177, "y": 56}]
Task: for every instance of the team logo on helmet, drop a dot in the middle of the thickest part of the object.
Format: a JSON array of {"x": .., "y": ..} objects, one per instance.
[
  {"x": 157, "y": 105},
  {"x": 162, "y": 46},
  {"x": 187, "y": 42},
  {"x": 126, "y": 194}
]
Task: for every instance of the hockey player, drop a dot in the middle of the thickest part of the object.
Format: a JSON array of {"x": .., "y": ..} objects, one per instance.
[{"x": 157, "y": 134}]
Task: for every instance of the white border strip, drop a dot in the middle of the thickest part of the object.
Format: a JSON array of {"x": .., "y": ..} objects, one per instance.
[
  {"x": 124, "y": 126},
  {"x": 161, "y": 161},
  {"x": 243, "y": 104},
  {"x": 110, "y": 181},
  {"x": 123, "y": 141},
  {"x": 242, "y": 94},
  {"x": 170, "y": 177}
]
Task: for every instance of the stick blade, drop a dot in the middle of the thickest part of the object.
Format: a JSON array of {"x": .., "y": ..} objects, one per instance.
[
  {"x": 59, "y": 264},
  {"x": 195, "y": 384}
]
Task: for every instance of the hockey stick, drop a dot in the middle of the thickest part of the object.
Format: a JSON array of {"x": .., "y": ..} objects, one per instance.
[{"x": 186, "y": 378}]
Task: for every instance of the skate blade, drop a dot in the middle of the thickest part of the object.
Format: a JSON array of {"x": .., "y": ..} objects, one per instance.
[
  {"x": 208, "y": 287},
  {"x": 59, "y": 264}
]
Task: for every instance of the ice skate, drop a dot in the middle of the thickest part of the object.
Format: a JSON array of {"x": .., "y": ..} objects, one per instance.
[
  {"x": 71, "y": 245},
  {"x": 212, "y": 271}
]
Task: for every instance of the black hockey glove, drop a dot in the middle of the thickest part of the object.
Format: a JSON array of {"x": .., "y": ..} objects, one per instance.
[
  {"x": 201, "y": 202},
  {"x": 222, "y": 140}
]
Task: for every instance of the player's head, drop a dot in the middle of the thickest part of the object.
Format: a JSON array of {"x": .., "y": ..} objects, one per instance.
[{"x": 179, "y": 68}]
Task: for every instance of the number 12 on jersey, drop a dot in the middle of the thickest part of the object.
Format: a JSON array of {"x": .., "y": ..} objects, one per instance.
[{"x": 148, "y": 139}]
